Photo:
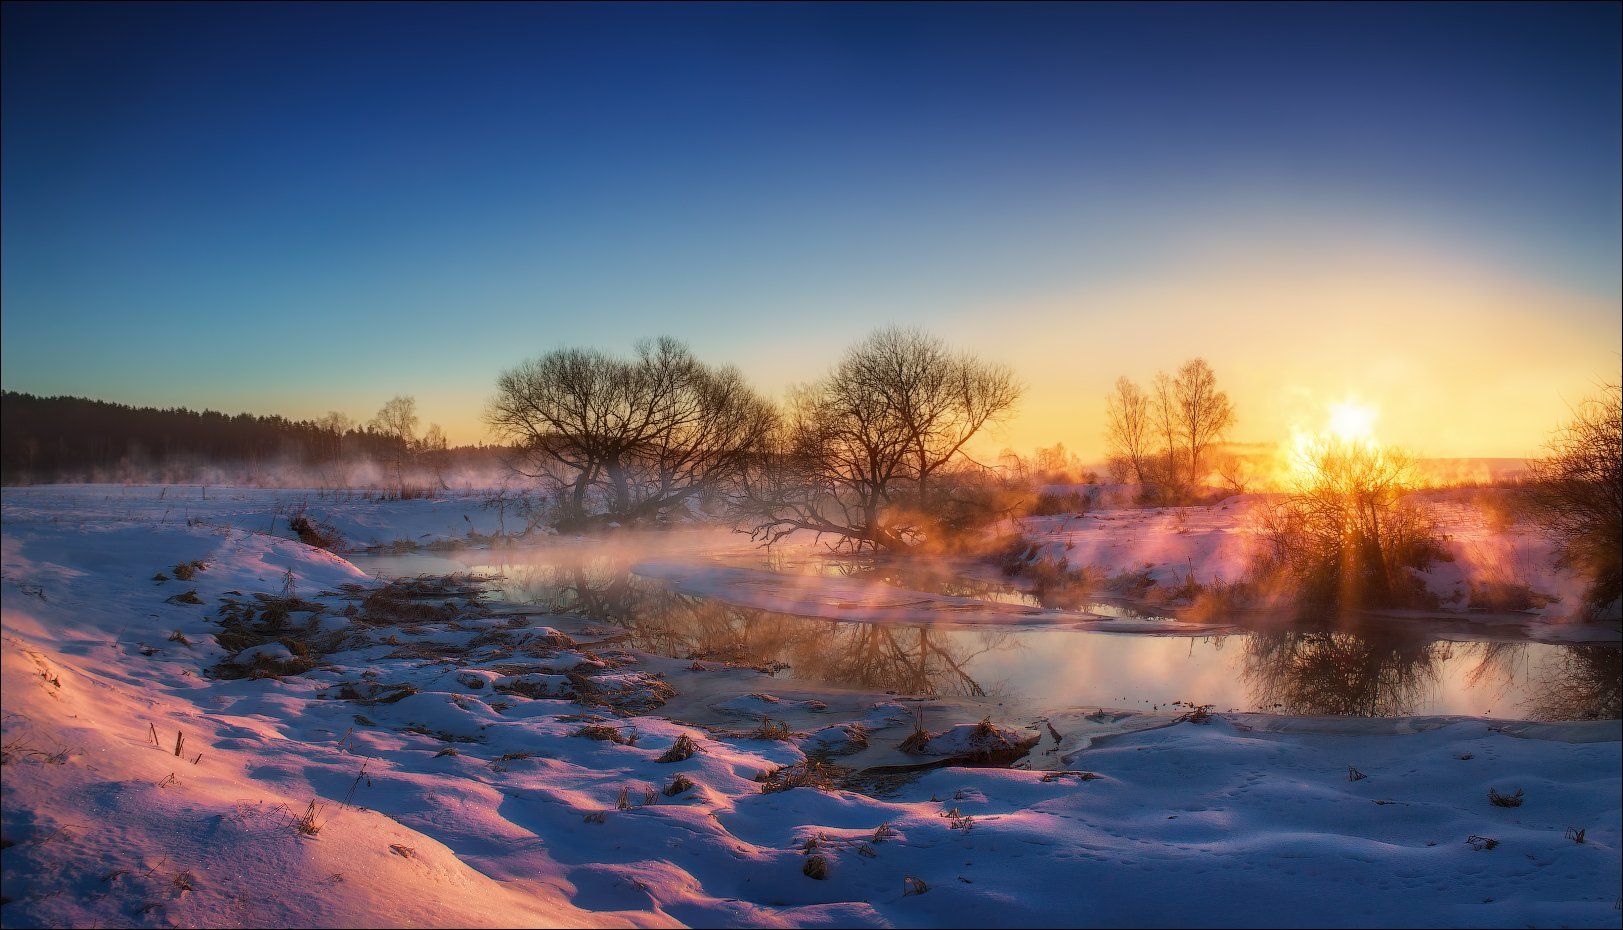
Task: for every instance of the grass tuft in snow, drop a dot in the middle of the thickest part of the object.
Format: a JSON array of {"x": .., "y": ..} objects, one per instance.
[
  {"x": 606, "y": 733},
  {"x": 310, "y": 823},
  {"x": 811, "y": 773},
  {"x": 1513, "y": 799},
  {"x": 683, "y": 749},
  {"x": 185, "y": 571}
]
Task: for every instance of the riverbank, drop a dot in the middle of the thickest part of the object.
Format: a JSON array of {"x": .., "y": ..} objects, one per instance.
[{"x": 348, "y": 756}]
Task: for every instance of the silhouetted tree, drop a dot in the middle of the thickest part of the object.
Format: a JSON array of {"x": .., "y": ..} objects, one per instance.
[
  {"x": 1577, "y": 495},
  {"x": 1163, "y": 438},
  {"x": 1129, "y": 432},
  {"x": 647, "y": 434},
  {"x": 862, "y": 453}
]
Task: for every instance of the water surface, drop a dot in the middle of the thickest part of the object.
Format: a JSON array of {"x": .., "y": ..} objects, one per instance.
[{"x": 1374, "y": 668}]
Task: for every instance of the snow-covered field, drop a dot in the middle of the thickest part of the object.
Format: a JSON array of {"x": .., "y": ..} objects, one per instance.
[{"x": 419, "y": 764}]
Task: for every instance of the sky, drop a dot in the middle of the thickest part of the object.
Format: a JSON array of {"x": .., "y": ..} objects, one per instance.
[{"x": 301, "y": 208}]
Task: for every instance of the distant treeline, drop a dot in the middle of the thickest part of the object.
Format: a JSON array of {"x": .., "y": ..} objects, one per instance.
[{"x": 44, "y": 439}]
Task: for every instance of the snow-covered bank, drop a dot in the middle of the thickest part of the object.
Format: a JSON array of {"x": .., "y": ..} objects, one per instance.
[
  {"x": 362, "y": 518},
  {"x": 1219, "y": 543},
  {"x": 473, "y": 765}
]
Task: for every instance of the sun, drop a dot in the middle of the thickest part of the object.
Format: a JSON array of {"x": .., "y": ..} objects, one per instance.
[
  {"x": 1348, "y": 428},
  {"x": 1352, "y": 422}
]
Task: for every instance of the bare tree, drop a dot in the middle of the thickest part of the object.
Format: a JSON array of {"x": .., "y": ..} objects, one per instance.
[
  {"x": 937, "y": 397},
  {"x": 335, "y": 424},
  {"x": 862, "y": 451},
  {"x": 1128, "y": 430},
  {"x": 397, "y": 418},
  {"x": 1577, "y": 494},
  {"x": 1203, "y": 413},
  {"x": 1237, "y": 471},
  {"x": 1162, "y": 438},
  {"x": 645, "y": 434},
  {"x": 1168, "y": 462},
  {"x": 396, "y": 422},
  {"x": 432, "y": 451}
]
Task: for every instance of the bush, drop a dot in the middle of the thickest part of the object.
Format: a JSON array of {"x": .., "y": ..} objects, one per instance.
[
  {"x": 315, "y": 533},
  {"x": 1053, "y": 503},
  {"x": 1577, "y": 495},
  {"x": 1346, "y": 535}
]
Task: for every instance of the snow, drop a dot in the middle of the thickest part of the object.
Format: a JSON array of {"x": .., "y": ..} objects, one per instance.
[{"x": 454, "y": 788}]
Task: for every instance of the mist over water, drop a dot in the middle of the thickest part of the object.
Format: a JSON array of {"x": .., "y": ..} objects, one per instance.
[{"x": 954, "y": 634}]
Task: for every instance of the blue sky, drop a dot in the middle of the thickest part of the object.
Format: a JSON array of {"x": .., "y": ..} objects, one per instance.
[{"x": 299, "y": 208}]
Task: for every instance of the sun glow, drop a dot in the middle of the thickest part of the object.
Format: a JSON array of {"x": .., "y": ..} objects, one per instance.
[
  {"x": 1348, "y": 427},
  {"x": 1352, "y": 422}
]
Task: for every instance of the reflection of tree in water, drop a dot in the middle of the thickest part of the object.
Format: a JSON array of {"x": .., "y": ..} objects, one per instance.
[
  {"x": 909, "y": 574},
  {"x": 1388, "y": 673},
  {"x": 1369, "y": 674},
  {"x": 1578, "y": 683},
  {"x": 906, "y": 658}
]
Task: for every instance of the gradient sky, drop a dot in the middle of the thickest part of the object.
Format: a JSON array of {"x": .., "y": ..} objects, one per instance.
[{"x": 301, "y": 208}]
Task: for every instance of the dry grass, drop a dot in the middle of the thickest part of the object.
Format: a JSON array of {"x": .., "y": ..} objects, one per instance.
[
  {"x": 683, "y": 749},
  {"x": 1481, "y": 843},
  {"x": 770, "y": 729},
  {"x": 815, "y": 867},
  {"x": 678, "y": 785},
  {"x": 315, "y": 532},
  {"x": 185, "y": 571},
  {"x": 811, "y": 773},
  {"x": 606, "y": 733},
  {"x": 309, "y": 823},
  {"x": 1513, "y": 799},
  {"x": 1505, "y": 597},
  {"x": 958, "y": 820},
  {"x": 499, "y": 764},
  {"x": 913, "y": 886},
  {"x": 919, "y": 738},
  {"x": 1078, "y": 775}
]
